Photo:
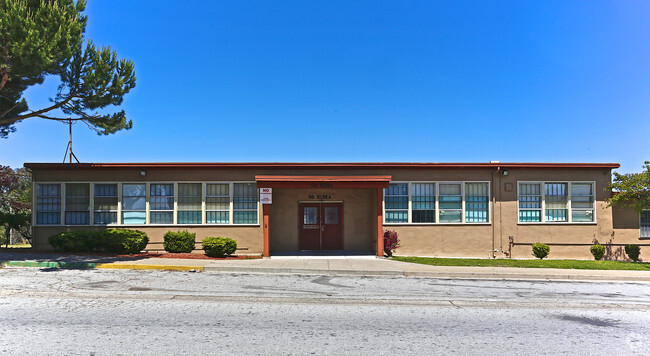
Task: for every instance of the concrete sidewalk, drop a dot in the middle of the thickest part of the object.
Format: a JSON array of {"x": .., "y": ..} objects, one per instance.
[{"x": 319, "y": 266}]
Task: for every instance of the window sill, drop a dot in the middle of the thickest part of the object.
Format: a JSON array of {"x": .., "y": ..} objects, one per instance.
[
  {"x": 437, "y": 224},
  {"x": 558, "y": 223}
]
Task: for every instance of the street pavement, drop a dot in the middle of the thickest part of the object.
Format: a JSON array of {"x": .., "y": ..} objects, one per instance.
[{"x": 51, "y": 311}]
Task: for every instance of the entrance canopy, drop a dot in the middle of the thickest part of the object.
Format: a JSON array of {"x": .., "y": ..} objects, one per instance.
[
  {"x": 322, "y": 181},
  {"x": 326, "y": 182}
]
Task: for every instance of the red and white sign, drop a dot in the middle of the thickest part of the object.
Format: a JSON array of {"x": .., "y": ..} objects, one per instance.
[{"x": 266, "y": 195}]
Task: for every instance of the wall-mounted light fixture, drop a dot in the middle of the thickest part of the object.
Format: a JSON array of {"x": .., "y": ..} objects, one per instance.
[
  {"x": 143, "y": 173},
  {"x": 505, "y": 172}
]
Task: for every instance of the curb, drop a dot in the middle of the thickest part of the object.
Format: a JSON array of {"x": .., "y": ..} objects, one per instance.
[
  {"x": 155, "y": 267},
  {"x": 89, "y": 265},
  {"x": 62, "y": 265}
]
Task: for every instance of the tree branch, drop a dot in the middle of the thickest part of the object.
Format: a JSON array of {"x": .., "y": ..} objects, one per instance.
[{"x": 11, "y": 120}]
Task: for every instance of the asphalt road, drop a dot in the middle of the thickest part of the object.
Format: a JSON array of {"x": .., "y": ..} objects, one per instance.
[{"x": 110, "y": 312}]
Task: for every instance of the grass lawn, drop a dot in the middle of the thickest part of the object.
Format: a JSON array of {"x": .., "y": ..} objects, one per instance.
[{"x": 567, "y": 264}]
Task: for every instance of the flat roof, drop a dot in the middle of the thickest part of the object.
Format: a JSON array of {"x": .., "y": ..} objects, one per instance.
[{"x": 351, "y": 165}]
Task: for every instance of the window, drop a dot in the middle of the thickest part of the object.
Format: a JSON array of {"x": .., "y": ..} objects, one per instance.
[
  {"x": 161, "y": 203},
  {"x": 134, "y": 203},
  {"x": 477, "y": 198},
  {"x": 423, "y": 202},
  {"x": 244, "y": 203},
  {"x": 396, "y": 203},
  {"x": 530, "y": 202},
  {"x": 437, "y": 202},
  {"x": 105, "y": 204},
  {"x": 645, "y": 224},
  {"x": 562, "y": 202},
  {"x": 582, "y": 202},
  {"x": 217, "y": 203},
  {"x": 48, "y": 204},
  {"x": 189, "y": 203},
  {"x": 77, "y": 203},
  {"x": 450, "y": 201},
  {"x": 556, "y": 202}
]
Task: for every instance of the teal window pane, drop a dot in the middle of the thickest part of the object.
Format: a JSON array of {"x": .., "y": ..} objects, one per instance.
[
  {"x": 396, "y": 216},
  {"x": 450, "y": 202},
  {"x": 161, "y": 217},
  {"x": 530, "y": 216},
  {"x": 133, "y": 217},
  {"x": 559, "y": 215},
  {"x": 476, "y": 216},
  {"x": 582, "y": 216},
  {"x": 48, "y": 218},
  {"x": 217, "y": 217},
  {"x": 245, "y": 217},
  {"x": 450, "y": 216},
  {"x": 189, "y": 217},
  {"x": 396, "y": 202},
  {"x": 105, "y": 218}
]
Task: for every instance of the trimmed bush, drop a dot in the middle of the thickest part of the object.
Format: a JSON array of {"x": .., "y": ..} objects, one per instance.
[
  {"x": 540, "y": 250},
  {"x": 180, "y": 241},
  {"x": 219, "y": 246},
  {"x": 598, "y": 251},
  {"x": 111, "y": 240},
  {"x": 125, "y": 241},
  {"x": 633, "y": 252}
]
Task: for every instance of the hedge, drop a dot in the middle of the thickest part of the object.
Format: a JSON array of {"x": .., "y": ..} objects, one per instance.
[
  {"x": 110, "y": 240},
  {"x": 219, "y": 246},
  {"x": 179, "y": 241}
]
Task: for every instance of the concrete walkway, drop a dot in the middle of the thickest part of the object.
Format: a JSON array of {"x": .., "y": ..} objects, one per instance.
[{"x": 363, "y": 266}]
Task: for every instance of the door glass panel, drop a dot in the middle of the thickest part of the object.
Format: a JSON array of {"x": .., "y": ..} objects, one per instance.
[
  {"x": 310, "y": 216},
  {"x": 331, "y": 215}
]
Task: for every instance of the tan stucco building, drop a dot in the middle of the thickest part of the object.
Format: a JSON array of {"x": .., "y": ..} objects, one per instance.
[{"x": 439, "y": 209}]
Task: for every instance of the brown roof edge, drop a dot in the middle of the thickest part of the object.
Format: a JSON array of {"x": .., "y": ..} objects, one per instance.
[
  {"x": 358, "y": 165},
  {"x": 323, "y": 178}
]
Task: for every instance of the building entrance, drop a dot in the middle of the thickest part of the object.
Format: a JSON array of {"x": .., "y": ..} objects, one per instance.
[{"x": 320, "y": 226}]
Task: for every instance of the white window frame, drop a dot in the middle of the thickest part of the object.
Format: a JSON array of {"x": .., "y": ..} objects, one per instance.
[
  {"x": 408, "y": 207},
  {"x": 176, "y": 210},
  {"x": 230, "y": 204},
  {"x": 92, "y": 204},
  {"x": 569, "y": 208},
  {"x": 437, "y": 204},
  {"x": 120, "y": 208},
  {"x": 61, "y": 204},
  {"x": 641, "y": 237}
]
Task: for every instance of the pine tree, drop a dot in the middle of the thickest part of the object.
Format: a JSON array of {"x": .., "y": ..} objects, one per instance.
[{"x": 39, "y": 38}]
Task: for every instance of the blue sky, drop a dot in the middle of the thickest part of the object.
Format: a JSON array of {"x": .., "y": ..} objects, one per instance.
[{"x": 375, "y": 81}]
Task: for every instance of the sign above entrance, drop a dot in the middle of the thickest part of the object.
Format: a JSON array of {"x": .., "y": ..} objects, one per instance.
[
  {"x": 320, "y": 196},
  {"x": 266, "y": 195}
]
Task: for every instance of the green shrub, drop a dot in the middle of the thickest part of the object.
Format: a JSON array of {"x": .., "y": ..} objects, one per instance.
[
  {"x": 598, "y": 251},
  {"x": 111, "y": 240},
  {"x": 633, "y": 252},
  {"x": 540, "y": 250},
  {"x": 219, "y": 246},
  {"x": 75, "y": 241},
  {"x": 180, "y": 241},
  {"x": 124, "y": 241}
]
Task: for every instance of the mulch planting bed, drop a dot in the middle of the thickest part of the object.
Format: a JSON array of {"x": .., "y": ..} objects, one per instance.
[{"x": 194, "y": 256}]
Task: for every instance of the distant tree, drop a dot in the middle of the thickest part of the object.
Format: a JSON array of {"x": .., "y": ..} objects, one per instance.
[
  {"x": 631, "y": 189},
  {"x": 15, "y": 202},
  {"x": 39, "y": 38}
]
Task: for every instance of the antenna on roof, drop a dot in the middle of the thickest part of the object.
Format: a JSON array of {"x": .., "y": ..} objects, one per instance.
[{"x": 69, "y": 146}]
